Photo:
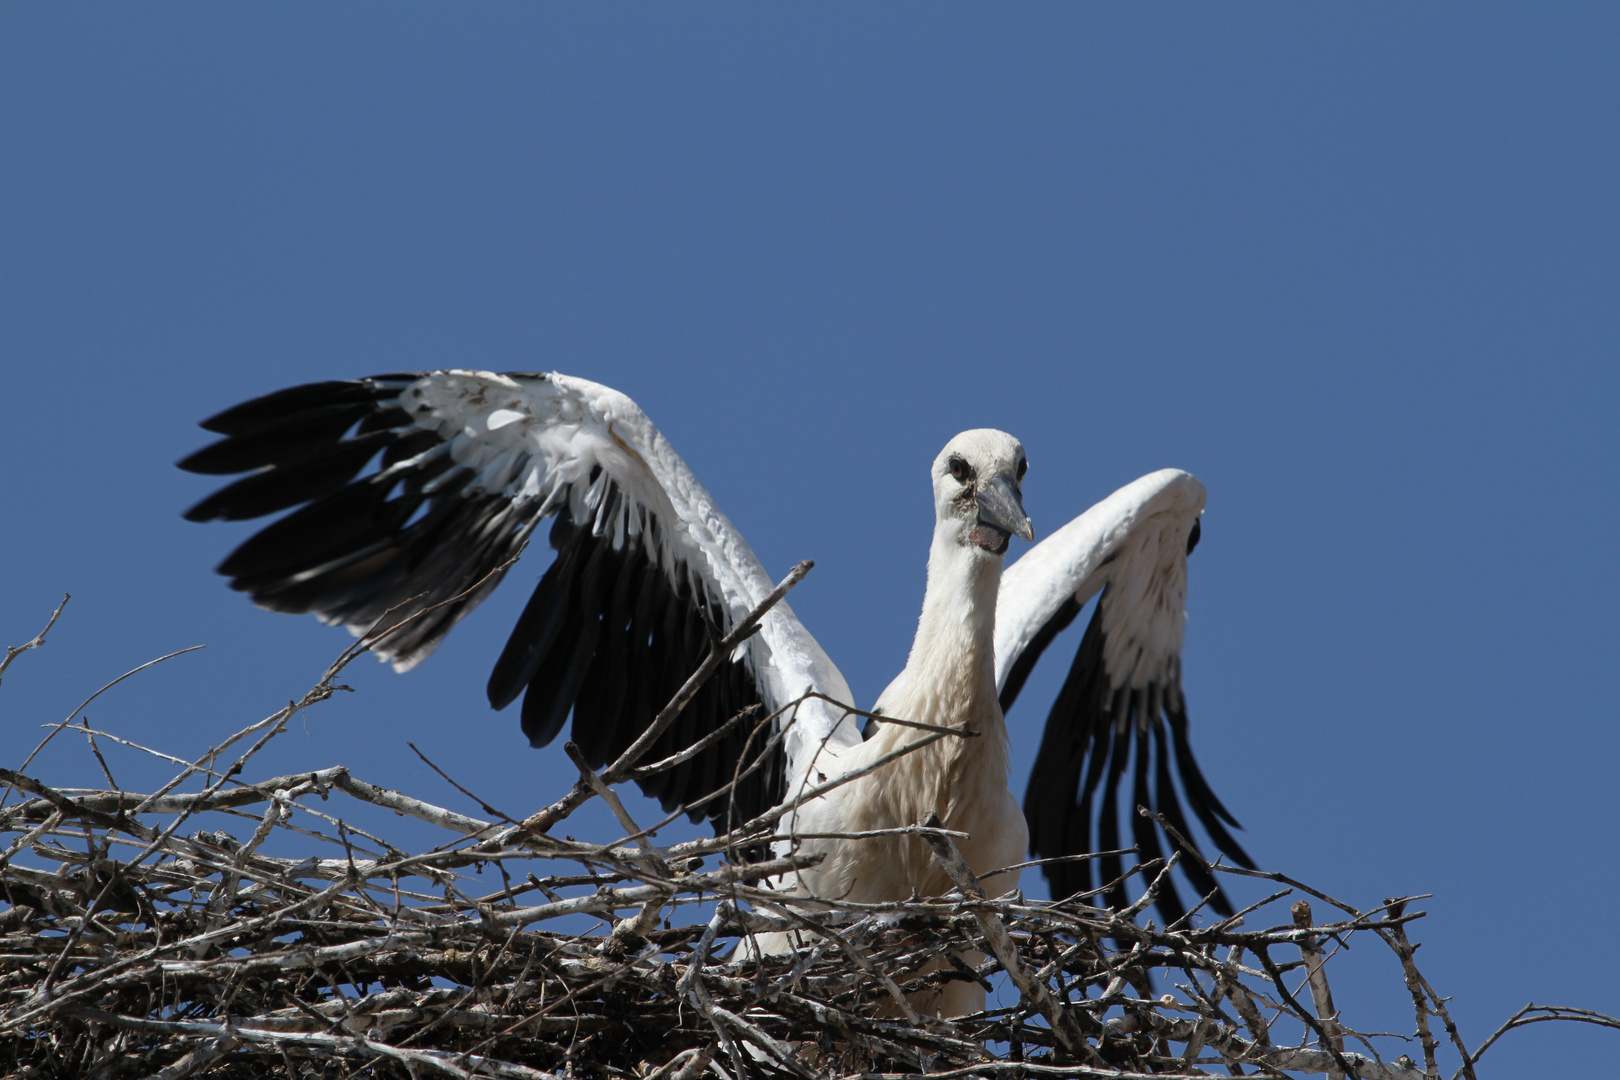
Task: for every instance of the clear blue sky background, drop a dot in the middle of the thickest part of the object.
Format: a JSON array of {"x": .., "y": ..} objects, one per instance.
[{"x": 1354, "y": 267}]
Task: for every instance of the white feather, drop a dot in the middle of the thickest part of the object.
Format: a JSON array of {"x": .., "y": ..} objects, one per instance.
[{"x": 1131, "y": 539}]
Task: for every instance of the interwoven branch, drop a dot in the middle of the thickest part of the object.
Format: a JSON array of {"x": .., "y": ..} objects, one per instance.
[{"x": 250, "y": 928}]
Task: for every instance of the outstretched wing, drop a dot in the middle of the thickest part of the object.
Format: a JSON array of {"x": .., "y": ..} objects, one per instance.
[
  {"x": 1121, "y": 708},
  {"x": 464, "y": 465}
]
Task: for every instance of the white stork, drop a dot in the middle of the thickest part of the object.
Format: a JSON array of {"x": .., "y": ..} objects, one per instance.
[{"x": 471, "y": 462}]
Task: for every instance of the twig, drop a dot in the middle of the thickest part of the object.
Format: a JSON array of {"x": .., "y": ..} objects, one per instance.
[
  {"x": 1405, "y": 950},
  {"x": 1537, "y": 1014},
  {"x": 14, "y": 651},
  {"x": 86, "y": 702},
  {"x": 1321, "y": 995}
]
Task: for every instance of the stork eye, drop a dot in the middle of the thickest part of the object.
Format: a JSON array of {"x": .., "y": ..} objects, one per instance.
[
  {"x": 1023, "y": 467},
  {"x": 961, "y": 471}
]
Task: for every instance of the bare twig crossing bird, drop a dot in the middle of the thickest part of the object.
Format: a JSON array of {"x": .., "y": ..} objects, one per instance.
[{"x": 414, "y": 491}]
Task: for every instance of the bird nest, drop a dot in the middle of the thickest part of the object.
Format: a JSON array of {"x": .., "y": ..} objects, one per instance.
[{"x": 153, "y": 934}]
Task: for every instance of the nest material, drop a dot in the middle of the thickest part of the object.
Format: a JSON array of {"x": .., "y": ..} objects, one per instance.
[{"x": 152, "y": 935}]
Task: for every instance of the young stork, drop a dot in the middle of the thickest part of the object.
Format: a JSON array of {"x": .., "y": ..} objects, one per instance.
[
  {"x": 949, "y": 680},
  {"x": 464, "y": 465}
]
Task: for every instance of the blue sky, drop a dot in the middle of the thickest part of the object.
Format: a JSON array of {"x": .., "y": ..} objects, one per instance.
[{"x": 1356, "y": 268}]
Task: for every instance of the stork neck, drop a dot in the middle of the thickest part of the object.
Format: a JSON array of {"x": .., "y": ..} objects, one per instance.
[
  {"x": 954, "y": 650},
  {"x": 949, "y": 680}
]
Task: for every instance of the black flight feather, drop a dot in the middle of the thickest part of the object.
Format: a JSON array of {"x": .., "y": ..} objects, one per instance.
[
  {"x": 1095, "y": 732},
  {"x": 608, "y": 636}
]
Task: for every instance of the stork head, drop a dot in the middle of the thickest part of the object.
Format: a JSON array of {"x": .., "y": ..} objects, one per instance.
[{"x": 978, "y": 490}]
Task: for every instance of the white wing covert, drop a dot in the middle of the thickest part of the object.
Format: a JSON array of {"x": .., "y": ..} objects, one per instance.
[
  {"x": 470, "y": 463},
  {"x": 1121, "y": 707}
]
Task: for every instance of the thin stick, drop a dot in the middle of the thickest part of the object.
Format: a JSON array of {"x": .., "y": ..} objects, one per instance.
[
  {"x": 14, "y": 651},
  {"x": 1321, "y": 995}
]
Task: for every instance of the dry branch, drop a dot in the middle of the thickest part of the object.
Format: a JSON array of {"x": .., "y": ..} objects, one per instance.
[{"x": 155, "y": 934}]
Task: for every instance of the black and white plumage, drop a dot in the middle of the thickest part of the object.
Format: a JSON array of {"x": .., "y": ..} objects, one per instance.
[
  {"x": 1121, "y": 709},
  {"x": 468, "y": 464}
]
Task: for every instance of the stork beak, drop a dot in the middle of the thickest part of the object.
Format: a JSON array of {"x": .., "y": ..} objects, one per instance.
[{"x": 1001, "y": 507}]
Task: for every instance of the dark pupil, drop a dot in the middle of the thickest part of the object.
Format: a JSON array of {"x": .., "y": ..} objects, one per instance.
[
  {"x": 1023, "y": 466},
  {"x": 959, "y": 469}
]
